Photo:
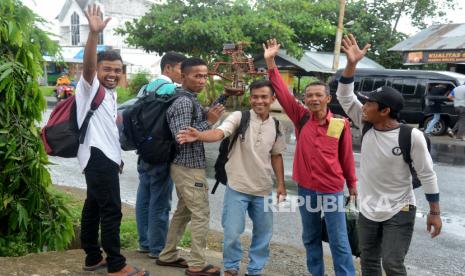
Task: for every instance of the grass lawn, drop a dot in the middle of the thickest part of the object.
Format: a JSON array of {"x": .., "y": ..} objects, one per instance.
[
  {"x": 128, "y": 230},
  {"x": 47, "y": 90}
]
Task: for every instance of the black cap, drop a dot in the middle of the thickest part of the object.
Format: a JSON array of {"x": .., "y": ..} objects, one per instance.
[{"x": 385, "y": 95}]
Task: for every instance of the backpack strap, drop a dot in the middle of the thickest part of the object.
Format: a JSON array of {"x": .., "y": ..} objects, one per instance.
[
  {"x": 278, "y": 131},
  {"x": 366, "y": 128},
  {"x": 303, "y": 121},
  {"x": 243, "y": 125},
  {"x": 405, "y": 142},
  {"x": 96, "y": 101}
]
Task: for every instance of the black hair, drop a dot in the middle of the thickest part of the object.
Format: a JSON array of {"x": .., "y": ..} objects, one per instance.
[
  {"x": 318, "y": 83},
  {"x": 109, "y": 55},
  {"x": 259, "y": 84},
  {"x": 171, "y": 58},
  {"x": 191, "y": 62},
  {"x": 393, "y": 114}
]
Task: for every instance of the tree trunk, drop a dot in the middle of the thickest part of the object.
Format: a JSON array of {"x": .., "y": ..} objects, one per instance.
[{"x": 399, "y": 14}]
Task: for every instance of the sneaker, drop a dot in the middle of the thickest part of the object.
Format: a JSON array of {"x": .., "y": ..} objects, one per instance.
[
  {"x": 152, "y": 256},
  {"x": 142, "y": 250},
  {"x": 450, "y": 133}
]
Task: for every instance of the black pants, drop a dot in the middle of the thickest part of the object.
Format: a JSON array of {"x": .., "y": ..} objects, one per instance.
[
  {"x": 388, "y": 240},
  {"x": 102, "y": 208}
]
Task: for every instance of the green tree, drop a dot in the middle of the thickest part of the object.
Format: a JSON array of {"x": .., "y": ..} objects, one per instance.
[{"x": 31, "y": 217}]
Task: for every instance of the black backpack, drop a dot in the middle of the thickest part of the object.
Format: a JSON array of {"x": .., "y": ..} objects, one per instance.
[
  {"x": 146, "y": 129},
  {"x": 405, "y": 145},
  {"x": 227, "y": 144}
]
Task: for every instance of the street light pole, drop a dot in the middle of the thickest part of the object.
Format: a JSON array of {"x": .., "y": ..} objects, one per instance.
[{"x": 340, "y": 26}]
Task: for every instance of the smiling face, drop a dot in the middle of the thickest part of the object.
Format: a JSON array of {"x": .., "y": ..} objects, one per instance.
[
  {"x": 316, "y": 98},
  {"x": 261, "y": 99},
  {"x": 372, "y": 114},
  {"x": 109, "y": 73}
]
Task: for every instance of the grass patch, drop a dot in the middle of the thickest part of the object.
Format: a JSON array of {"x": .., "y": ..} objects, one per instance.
[
  {"x": 123, "y": 94},
  {"x": 128, "y": 229},
  {"x": 47, "y": 90}
]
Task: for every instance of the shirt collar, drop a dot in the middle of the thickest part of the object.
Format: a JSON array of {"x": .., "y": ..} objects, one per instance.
[
  {"x": 166, "y": 78},
  {"x": 254, "y": 116},
  {"x": 329, "y": 115}
]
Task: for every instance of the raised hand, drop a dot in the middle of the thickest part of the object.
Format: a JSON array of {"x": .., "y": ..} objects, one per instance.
[
  {"x": 353, "y": 52},
  {"x": 187, "y": 135},
  {"x": 271, "y": 48},
  {"x": 94, "y": 16},
  {"x": 214, "y": 113}
]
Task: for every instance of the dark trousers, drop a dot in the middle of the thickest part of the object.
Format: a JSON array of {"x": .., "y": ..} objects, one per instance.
[
  {"x": 387, "y": 241},
  {"x": 460, "y": 125},
  {"x": 102, "y": 208}
]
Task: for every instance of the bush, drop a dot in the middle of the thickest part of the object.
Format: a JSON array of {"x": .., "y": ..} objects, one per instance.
[
  {"x": 31, "y": 218},
  {"x": 123, "y": 94},
  {"x": 137, "y": 81}
]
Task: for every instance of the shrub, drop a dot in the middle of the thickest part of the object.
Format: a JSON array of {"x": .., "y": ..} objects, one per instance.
[{"x": 137, "y": 81}]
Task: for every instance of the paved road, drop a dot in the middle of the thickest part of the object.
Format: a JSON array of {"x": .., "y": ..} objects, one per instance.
[{"x": 441, "y": 256}]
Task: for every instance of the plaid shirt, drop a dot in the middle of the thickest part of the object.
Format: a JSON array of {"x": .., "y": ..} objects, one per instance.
[{"x": 179, "y": 116}]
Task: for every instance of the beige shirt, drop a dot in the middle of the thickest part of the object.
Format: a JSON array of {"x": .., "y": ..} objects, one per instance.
[{"x": 249, "y": 167}]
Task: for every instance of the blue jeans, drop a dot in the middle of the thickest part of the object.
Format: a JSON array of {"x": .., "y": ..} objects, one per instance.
[
  {"x": 332, "y": 205},
  {"x": 236, "y": 204},
  {"x": 153, "y": 205},
  {"x": 435, "y": 120}
]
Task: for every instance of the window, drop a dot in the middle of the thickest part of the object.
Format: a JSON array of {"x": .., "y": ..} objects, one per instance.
[
  {"x": 75, "y": 37},
  {"x": 397, "y": 84},
  {"x": 409, "y": 87},
  {"x": 367, "y": 85},
  {"x": 379, "y": 83}
]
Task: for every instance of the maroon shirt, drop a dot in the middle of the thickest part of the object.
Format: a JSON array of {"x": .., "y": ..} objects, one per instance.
[{"x": 321, "y": 163}]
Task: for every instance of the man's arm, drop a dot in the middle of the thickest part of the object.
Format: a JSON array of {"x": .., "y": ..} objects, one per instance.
[
  {"x": 229, "y": 126},
  {"x": 278, "y": 168},
  {"x": 423, "y": 164},
  {"x": 293, "y": 109},
  {"x": 345, "y": 89},
  {"x": 96, "y": 25}
]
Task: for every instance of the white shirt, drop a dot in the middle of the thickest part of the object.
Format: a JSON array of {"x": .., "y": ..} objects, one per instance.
[
  {"x": 102, "y": 132},
  {"x": 385, "y": 179}
]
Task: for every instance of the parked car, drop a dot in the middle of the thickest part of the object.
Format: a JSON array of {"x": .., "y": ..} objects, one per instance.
[{"x": 414, "y": 86}]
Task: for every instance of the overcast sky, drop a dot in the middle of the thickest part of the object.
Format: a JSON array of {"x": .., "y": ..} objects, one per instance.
[{"x": 49, "y": 9}]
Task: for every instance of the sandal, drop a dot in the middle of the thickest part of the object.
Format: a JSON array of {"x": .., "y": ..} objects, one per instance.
[
  {"x": 231, "y": 272},
  {"x": 203, "y": 272},
  {"x": 136, "y": 272},
  {"x": 99, "y": 265},
  {"x": 181, "y": 263}
]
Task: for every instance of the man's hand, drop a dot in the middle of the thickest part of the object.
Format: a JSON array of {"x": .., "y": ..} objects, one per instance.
[
  {"x": 353, "y": 194},
  {"x": 436, "y": 223},
  {"x": 280, "y": 192},
  {"x": 271, "y": 49},
  {"x": 214, "y": 113},
  {"x": 96, "y": 23},
  {"x": 188, "y": 135},
  {"x": 353, "y": 52}
]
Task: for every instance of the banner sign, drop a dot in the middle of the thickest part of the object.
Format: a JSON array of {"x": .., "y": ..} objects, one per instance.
[{"x": 424, "y": 57}]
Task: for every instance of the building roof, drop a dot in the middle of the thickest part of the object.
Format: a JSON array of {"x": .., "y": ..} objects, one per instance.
[
  {"x": 321, "y": 62},
  {"x": 434, "y": 38}
]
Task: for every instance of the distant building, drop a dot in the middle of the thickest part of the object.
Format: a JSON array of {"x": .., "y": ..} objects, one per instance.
[
  {"x": 73, "y": 31},
  {"x": 442, "y": 43}
]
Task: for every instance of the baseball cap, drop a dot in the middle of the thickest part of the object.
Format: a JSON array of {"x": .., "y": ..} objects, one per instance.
[{"x": 385, "y": 95}]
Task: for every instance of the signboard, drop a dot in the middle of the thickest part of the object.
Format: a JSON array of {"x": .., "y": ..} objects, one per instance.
[{"x": 425, "y": 57}]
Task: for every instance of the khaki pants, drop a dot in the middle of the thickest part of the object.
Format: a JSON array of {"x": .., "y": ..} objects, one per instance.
[{"x": 192, "y": 190}]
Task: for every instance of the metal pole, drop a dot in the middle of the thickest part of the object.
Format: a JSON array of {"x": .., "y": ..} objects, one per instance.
[{"x": 340, "y": 26}]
